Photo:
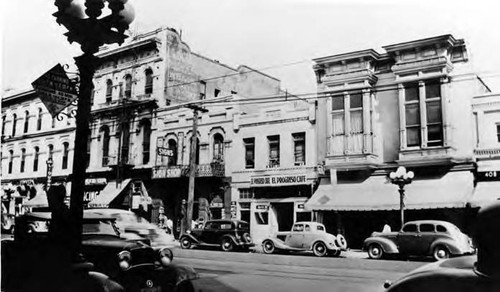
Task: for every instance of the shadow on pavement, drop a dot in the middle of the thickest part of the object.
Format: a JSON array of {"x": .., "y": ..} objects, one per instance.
[{"x": 210, "y": 284}]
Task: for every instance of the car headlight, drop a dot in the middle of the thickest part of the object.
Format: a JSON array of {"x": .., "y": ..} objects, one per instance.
[
  {"x": 166, "y": 256},
  {"x": 124, "y": 259}
]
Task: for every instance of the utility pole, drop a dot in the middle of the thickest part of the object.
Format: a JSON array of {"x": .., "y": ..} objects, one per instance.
[{"x": 192, "y": 166}]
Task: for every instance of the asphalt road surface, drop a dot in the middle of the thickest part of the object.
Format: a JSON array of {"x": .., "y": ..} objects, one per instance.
[{"x": 233, "y": 271}]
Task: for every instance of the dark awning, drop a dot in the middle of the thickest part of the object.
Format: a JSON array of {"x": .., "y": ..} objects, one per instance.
[
  {"x": 453, "y": 190},
  {"x": 108, "y": 194}
]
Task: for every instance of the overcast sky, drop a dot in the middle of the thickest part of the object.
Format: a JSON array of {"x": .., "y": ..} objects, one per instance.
[{"x": 261, "y": 33}]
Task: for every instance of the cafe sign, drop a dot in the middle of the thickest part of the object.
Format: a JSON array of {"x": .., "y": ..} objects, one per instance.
[{"x": 278, "y": 180}]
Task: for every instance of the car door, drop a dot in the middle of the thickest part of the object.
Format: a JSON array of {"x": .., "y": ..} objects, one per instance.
[
  {"x": 426, "y": 235},
  {"x": 309, "y": 235},
  {"x": 207, "y": 234},
  {"x": 296, "y": 237},
  {"x": 407, "y": 238}
]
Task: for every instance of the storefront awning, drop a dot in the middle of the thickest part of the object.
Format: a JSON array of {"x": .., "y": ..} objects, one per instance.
[
  {"x": 108, "y": 194},
  {"x": 453, "y": 190},
  {"x": 486, "y": 192}
]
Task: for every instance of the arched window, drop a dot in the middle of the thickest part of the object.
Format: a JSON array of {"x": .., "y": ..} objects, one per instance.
[
  {"x": 65, "y": 155},
  {"x": 54, "y": 122},
  {"x": 148, "y": 88},
  {"x": 146, "y": 137},
  {"x": 105, "y": 145},
  {"x": 125, "y": 135},
  {"x": 3, "y": 125},
  {"x": 36, "y": 158},
  {"x": 128, "y": 86},
  {"x": 11, "y": 160},
  {"x": 172, "y": 145},
  {"x": 26, "y": 121},
  {"x": 218, "y": 148},
  {"x": 109, "y": 90},
  {"x": 23, "y": 159},
  {"x": 51, "y": 152},
  {"x": 14, "y": 124},
  {"x": 39, "y": 120}
]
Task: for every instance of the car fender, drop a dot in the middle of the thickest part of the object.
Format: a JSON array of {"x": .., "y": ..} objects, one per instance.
[
  {"x": 450, "y": 245},
  {"x": 387, "y": 245},
  {"x": 231, "y": 237},
  {"x": 190, "y": 237},
  {"x": 278, "y": 243}
]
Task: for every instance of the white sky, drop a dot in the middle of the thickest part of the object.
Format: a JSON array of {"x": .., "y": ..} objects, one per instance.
[{"x": 261, "y": 33}]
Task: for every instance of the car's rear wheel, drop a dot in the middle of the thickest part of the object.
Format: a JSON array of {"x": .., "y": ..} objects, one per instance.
[
  {"x": 319, "y": 249},
  {"x": 227, "y": 244},
  {"x": 268, "y": 247},
  {"x": 375, "y": 251},
  {"x": 186, "y": 243},
  {"x": 440, "y": 253}
]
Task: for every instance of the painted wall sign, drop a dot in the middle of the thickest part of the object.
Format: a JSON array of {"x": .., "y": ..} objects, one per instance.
[{"x": 278, "y": 180}]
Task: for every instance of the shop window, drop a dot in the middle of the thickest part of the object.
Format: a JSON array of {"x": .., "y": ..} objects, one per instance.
[
  {"x": 303, "y": 216},
  {"x": 39, "y": 120},
  {"x": 218, "y": 148},
  {"x": 274, "y": 151},
  {"x": 109, "y": 90},
  {"x": 14, "y": 124},
  {"x": 36, "y": 158},
  {"x": 148, "y": 88},
  {"x": 23, "y": 159},
  {"x": 262, "y": 218},
  {"x": 65, "y": 155},
  {"x": 128, "y": 86},
  {"x": 249, "y": 152},
  {"x": 11, "y": 160},
  {"x": 26, "y": 121},
  {"x": 299, "y": 141},
  {"x": 245, "y": 215}
]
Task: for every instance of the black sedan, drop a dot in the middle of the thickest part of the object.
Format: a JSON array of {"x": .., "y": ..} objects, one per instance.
[{"x": 134, "y": 264}]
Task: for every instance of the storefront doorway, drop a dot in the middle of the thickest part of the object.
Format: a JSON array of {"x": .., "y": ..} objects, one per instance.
[{"x": 284, "y": 215}]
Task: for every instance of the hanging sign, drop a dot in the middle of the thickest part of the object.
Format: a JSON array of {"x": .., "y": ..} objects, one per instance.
[{"x": 55, "y": 89}]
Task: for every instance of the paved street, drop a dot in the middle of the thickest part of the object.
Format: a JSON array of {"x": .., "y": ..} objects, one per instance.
[{"x": 220, "y": 271}]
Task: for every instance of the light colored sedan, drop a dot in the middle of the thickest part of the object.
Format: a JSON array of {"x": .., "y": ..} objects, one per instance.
[
  {"x": 306, "y": 236},
  {"x": 131, "y": 226}
]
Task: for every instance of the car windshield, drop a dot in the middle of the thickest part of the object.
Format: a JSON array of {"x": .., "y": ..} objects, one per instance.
[{"x": 100, "y": 227}]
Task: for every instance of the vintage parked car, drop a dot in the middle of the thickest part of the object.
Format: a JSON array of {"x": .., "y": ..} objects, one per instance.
[
  {"x": 134, "y": 264},
  {"x": 472, "y": 273},
  {"x": 130, "y": 224},
  {"x": 226, "y": 234},
  {"x": 439, "y": 239},
  {"x": 306, "y": 236}
]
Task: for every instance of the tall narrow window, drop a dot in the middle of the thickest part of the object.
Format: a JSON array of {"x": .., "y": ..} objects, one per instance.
[
  {"x": 338, "y": 125},
  {"x": 125, "y": 143},
  {"x": 87, "y": 160},
  {"x": 65, "y": 155},
  {"x": 299, "y": 147},
  {"x": 218, "y": 148},
  {"x": 23, "y": 159},
  {"x": 249, "y": 152},
  {"x": 412, "y": 113},
  {"x": 172, "y": 145},
  {"x": 105, "y": 145},
  {"x": 146, "y": 140},
  {"x": 51, "y": 152},
  {"x": 434, "y": 119},
  {"x": 128, "y": 86},
  {"x": 26, "y": 121},
  {"x": 203, "y": 90},
  {"x": 498, "y": 133},
  {"x": 14, "y": 124},
  {"x": 36, "y": 158},
  {"x": 148, "y": 89},
  {"x": 356, "y": 123},
  {"x": 11, "y": 160},
  {"x": 216, "y": 92},
  {"x": 109, "y": 90},
  {"x": 4, "y": 118},
  {"x": 274, "y": 150},
  {"x": 39, "y": 120},
  {"x": 54, "y": 122}
]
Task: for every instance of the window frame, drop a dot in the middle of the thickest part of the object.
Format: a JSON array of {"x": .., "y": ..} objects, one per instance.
[
  {"x": 36, "y": 158},
  {"x": 65, "y": 156},
  {"x": 298, "y": 140},
  {"x": 249, "y": 144},
  {"x": 273, "y": 143},
  {"x": 148, "y": 86}
]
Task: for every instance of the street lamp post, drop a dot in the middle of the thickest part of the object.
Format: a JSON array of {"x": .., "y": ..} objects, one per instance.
[
  {"x": 401, "y": 178},
  {"x": 91, "y": 32}
]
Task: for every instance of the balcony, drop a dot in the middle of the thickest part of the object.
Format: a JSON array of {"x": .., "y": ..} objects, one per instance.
[
  {"x": 487, "y": 153},
  {"x": 215, "y": 169},
  {"x": 354, "y": 151}
]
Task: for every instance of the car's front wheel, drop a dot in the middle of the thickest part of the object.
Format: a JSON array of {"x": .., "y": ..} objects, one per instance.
[
  {"x": 186, "y": 243},
  {"x": 268, "y": 247},
  {"x": 319, "y": 249},
  {"x": 227, "y": 244},
  {"x": 375, "y": 251},
  {"x": 440, "y": 253}
]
